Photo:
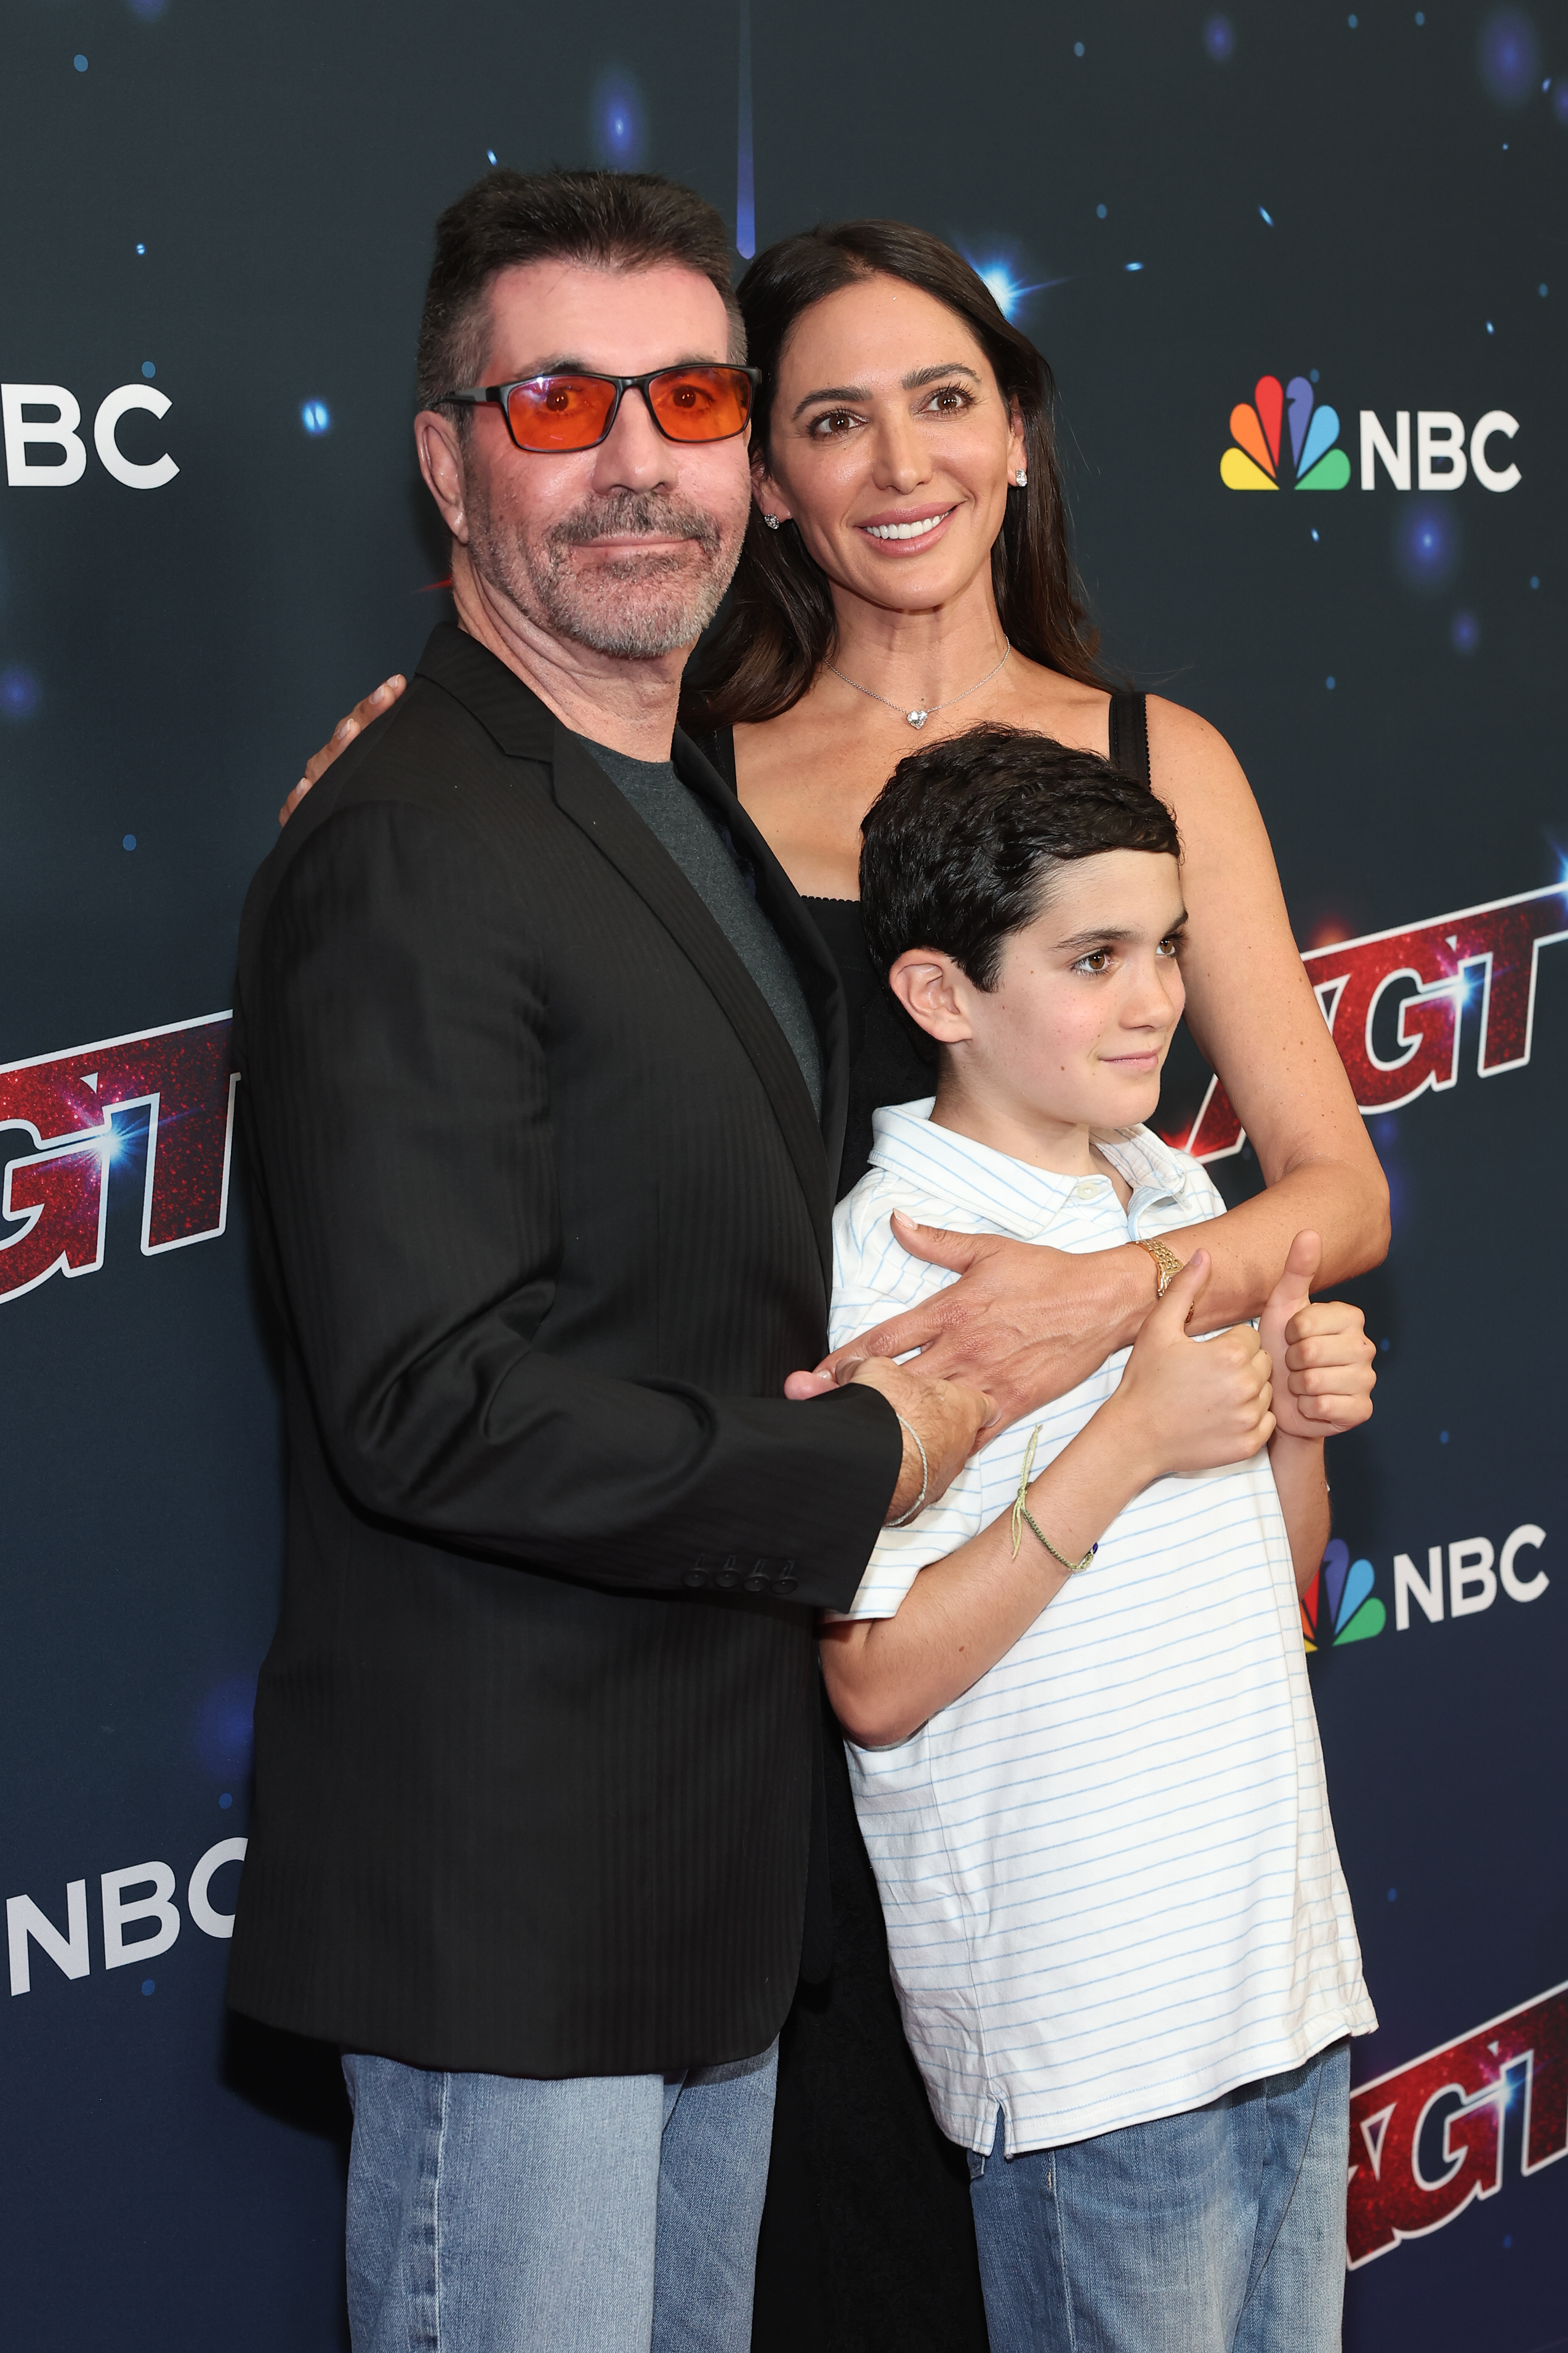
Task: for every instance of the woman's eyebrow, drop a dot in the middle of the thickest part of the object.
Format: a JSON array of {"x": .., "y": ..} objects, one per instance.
[
  {"x": 913, "y": 382},
  {"x": 832, "y": 392},
  {"x": 919, "y": 377}
]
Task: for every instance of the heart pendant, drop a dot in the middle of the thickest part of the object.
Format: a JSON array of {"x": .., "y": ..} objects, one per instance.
[{"x": 917, "y": 718}]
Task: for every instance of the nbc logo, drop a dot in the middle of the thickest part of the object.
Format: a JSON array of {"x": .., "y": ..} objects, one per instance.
[
  {"x": 1252, "y": 462},
  {"x": 1339, "y": 1605}
]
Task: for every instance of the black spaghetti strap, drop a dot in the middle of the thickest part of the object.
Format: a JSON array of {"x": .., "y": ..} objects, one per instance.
[{"x": 1130, "y": 735}]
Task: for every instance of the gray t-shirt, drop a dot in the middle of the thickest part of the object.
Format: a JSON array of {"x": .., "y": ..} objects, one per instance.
[{"x": 691, "y": 835}]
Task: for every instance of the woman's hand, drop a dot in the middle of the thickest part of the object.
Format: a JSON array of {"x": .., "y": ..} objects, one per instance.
[
  {"x": 342, "y": 736},
  {"x": 1184, "y": 1405},
  {"x": 1321, "y": 1358}
]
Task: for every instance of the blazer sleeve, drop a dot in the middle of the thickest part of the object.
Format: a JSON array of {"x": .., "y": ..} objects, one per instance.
[{"x": 394, "y": 1018}]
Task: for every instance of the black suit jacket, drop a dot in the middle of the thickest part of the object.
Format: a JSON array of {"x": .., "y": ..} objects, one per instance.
[{"x": 546, "y": 1208}]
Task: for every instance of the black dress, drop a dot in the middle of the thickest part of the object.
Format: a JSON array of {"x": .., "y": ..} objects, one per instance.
[
  {"x": 867, "y": 2240},
  {"x": 867, "y": 2244}
]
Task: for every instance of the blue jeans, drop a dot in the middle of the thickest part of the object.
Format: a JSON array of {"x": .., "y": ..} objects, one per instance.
[
  {"x": 1222, "y": 2231},
  {"x": 602, "y": 2214}
]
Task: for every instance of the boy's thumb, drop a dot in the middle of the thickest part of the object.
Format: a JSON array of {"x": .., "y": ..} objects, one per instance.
[
  {"x": 1186, "y": 1289},
  {"x": 1302, "y": 1260}
]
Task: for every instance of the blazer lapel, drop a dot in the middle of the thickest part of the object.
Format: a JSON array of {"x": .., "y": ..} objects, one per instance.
[
  {"x": 524, "y": 727},
  {"x": 586, "y": 794}
]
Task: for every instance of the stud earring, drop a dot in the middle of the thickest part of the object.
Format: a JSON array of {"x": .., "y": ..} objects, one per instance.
[
  {"x": 772, "y": 521},
  {"x": 1021, "y": 480}
]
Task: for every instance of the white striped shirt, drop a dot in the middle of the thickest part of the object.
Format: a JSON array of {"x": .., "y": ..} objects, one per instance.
[{"x": 1107, "y": 1870}]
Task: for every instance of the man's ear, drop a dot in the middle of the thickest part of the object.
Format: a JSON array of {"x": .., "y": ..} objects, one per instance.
[
  {"x": 441, "y": 463},
  {"x": 934, "y": 991}
]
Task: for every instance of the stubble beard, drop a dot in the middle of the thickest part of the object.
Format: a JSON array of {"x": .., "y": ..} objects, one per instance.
[{"x": 635, "y": 608}]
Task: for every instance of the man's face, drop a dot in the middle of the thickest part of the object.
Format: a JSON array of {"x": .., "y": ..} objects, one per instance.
[{"x": 625, "y": 549}]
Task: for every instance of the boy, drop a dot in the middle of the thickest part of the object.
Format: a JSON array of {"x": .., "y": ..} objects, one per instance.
[{"x": 1121, "y": 1936}]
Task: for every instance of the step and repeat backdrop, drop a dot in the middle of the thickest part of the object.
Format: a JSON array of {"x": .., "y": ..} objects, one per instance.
[{"x": 1278, "y": 252}]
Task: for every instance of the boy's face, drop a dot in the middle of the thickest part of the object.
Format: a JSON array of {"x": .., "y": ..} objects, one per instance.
[{"x": 1086, "y": 1002}]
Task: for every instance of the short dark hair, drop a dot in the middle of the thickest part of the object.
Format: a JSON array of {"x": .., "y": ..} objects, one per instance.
[
  {"x": 610, "y": 220},
  {"x": 959, "y": 848}
]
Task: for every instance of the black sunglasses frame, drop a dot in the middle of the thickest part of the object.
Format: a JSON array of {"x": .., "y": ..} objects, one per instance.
[{"x": 485, "y": 395}]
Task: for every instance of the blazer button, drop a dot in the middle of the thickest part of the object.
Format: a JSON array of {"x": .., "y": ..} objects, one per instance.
[
  {"x": 726, "y": 1577},
  {"x": 785, "y": 1584},
  {"x": 695, "y": 1576},
  {"x": 757, "y": 1582}
]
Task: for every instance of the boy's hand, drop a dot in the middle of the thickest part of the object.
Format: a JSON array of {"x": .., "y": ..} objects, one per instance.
[
  {"x": 1320, "y": 1356},
  {"x": 1188, "y": 1405}
]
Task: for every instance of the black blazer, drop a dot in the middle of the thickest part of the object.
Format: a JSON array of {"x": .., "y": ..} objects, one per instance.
[{"x": 545, "y": 1207}]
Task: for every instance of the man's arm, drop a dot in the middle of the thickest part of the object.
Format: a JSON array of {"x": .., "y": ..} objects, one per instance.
[
  {"x": 395, "y": 1020},
  {"x": 1179, "y": 1405}
]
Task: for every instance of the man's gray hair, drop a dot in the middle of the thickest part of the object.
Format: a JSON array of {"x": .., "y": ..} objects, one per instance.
[{"x": 610, "y": 220}]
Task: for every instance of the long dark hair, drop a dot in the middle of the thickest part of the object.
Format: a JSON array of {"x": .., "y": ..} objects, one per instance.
[{"x": 778, "y": 625}]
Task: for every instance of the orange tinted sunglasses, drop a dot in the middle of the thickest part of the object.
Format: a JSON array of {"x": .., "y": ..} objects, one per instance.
[{"x": 701, "y": 402}]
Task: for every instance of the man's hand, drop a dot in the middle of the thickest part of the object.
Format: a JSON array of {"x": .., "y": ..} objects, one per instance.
[
  {"x": 946, "y": 1414},
  {"x": 342, "y": 736},
  {"x": 1189, "y": 1404},
  {"x": 1321, "y": 1357},
  {"x": 1025, "y": 1322}
]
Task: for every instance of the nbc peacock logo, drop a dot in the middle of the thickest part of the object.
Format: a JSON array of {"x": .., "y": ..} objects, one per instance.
[
  {"x": 1339, "y": 1605},
  {"x": 1258, "y": 429}
]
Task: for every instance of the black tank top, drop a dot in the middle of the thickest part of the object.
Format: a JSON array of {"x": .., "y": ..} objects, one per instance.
[{"x": 891, "y": 1061}]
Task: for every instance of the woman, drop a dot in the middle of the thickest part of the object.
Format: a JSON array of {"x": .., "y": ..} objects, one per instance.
[{"x": 906, "y": 575}]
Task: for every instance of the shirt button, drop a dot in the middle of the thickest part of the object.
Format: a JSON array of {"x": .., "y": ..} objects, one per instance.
[{"x": 1088, "y": 1187}]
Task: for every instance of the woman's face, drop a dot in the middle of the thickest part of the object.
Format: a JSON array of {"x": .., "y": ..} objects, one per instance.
[{"x": 892, "y": 446}]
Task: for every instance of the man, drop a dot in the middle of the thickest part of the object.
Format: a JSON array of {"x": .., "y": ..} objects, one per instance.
[{"x": 544, "y": 1083}]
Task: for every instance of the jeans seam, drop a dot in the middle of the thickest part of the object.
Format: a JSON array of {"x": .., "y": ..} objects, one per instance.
[
  {"x": 1060, "y": 2233},
  {"x": 1258, "y": 2268},
  {"x": 435, "y": 2213}
]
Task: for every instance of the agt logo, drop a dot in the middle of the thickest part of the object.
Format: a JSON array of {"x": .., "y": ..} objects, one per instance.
[
  {"x": 1423, "y": 975},
  {"x": 45, "y": 417},
  {"x": 1450, "y": 2127},
  {"x": 1281, "y": 419},
  {"x": 56, "y": 1189},
  {"x": 1339, "y": 1605}
]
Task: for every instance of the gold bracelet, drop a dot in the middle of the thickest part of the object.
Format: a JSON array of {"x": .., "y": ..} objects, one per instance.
[
  {"x": 1167, "y": 1265},
  {"x": 1023, "y": 1518}
]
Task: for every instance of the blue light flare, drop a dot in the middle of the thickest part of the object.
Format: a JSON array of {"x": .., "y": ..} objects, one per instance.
[
  {"x": 1005, "y": 288},
  {"x": 745, "y": 183},
  {"x": 617, "y": 121},
  {"x": 1219, "y": 38},
  {"x": 316, "y": 417},
  {"x": 1508, "y": 55},
  {"x": 1427, "y": 543}
]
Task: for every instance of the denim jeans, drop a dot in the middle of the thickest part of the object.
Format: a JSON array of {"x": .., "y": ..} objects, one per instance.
[
  {"x": 1222, "y": 2231},
  {"x": 602, "y": 2214}
]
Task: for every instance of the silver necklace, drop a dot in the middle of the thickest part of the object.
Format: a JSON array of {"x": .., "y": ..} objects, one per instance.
[{"x": 918, "y": 718}]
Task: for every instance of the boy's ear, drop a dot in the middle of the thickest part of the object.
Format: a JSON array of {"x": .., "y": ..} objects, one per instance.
[{"x": 934, "y": 991}]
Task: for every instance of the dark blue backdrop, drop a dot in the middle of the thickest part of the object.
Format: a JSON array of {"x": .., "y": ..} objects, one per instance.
[{"x": 231, "y": 209}]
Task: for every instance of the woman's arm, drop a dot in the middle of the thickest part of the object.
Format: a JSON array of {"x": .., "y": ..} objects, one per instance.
[
  {"x": 379, "y": 699},
  {"x": 1323, "y": 1381},
  {"x": 1178, "y": 1407},
  {"x": 1027, "y": 1323}
]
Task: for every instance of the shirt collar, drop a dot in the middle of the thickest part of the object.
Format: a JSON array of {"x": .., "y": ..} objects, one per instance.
[{"x": 1013, "y": 1196}]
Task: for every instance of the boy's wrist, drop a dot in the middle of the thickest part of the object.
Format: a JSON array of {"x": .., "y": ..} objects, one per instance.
[{"x": 1118, "y": 1442}]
